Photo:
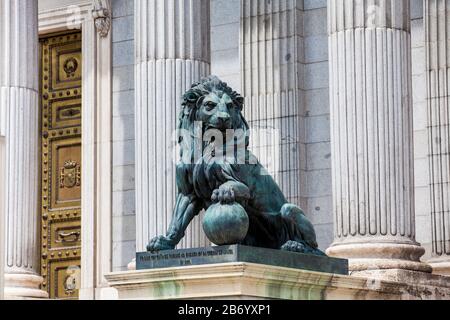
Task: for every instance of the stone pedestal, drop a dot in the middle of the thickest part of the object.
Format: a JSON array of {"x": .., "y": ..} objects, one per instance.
[
  {"x": 172, "y": 47},
  {"x": 255, "y": 281},
  {"x": 372, "y": 135},
  {"x": 438, "y": 94},
  {"x": 19, "y": 109}
]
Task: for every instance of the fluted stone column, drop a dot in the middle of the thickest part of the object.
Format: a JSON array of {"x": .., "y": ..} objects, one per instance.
[
  {"x": 372, "y": 135},
  {"x": 172, "y": 47},
  {"x": 19, "y": 123},
  {"x": 2, "y": 215},
  {"x": 271, "y": 45},
  {"x": 438, "y": 95}
]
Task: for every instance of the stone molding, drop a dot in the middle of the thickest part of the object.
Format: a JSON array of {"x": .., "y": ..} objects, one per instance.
[
  {"x": 23, "y": 286},
  {"x": 65, "y": 18},
  {"x": 253, "y": 281},
  {"x": 440, "y": 266}
]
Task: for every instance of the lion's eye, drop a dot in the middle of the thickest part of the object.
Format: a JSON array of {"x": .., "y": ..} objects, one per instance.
[{"x": 210, "y": 105}]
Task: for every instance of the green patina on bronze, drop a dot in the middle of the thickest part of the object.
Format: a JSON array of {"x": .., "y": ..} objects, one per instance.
[{"x": 237, "y": 180}]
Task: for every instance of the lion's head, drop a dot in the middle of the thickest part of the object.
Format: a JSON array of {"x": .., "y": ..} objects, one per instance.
[
  {"x": 212, "y": 102},
  {"x": 213, "y": 108}
]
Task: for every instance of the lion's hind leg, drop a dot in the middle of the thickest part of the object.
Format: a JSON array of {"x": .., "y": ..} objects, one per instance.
[{"x": 302, "y": 235}]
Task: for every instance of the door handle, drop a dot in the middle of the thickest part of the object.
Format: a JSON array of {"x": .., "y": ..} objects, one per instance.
[{"x": 69, "y": 237}]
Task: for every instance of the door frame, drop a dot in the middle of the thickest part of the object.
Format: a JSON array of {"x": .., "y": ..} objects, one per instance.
[{"x": 94, "y": 19}]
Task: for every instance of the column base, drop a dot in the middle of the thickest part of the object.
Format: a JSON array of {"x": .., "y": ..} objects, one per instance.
[
  {"x": 441, "y": 266},
  {"x": 20, "y": 286},
  {"x": 365, "y": 257}
]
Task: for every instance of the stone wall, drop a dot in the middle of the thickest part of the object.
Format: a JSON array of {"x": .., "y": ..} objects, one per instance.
[
  {"x": 437, "y": 68},
  {"x": 225, "y": 24},
  {"x": 423, "y": 206},
  {"x": 318, "y": 192},
  {"x": 124, "y": 218}
]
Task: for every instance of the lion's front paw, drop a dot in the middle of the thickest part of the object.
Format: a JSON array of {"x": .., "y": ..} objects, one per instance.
[
  {"x": 160, "y": 243},
  {"x": 224, "y": 196},
  {"x": 294, "y": 246},
  {"x": 301, "y": 247}
]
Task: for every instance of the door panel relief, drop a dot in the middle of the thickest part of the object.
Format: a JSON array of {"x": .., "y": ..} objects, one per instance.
[{"x": 61, "y": 171}]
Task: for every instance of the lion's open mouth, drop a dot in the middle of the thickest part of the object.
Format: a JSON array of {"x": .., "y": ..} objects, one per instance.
[{"x": 220, "y": 127}]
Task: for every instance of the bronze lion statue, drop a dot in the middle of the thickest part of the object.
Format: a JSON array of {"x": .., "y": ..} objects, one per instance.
[{"x": 238, "y": 178}]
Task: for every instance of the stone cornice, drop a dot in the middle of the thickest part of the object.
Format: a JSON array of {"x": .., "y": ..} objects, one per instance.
[{"x": 72, "y": 17}]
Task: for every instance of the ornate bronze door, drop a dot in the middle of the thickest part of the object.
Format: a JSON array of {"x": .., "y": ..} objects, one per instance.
[{"x": 61, "y": 170}]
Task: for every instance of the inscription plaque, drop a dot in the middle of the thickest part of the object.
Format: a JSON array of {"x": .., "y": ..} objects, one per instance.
[{"x": 238, "y": 253}]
